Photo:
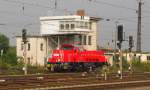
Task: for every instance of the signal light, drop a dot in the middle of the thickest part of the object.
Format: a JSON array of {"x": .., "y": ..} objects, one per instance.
[
  {"x": 120, "y": 33},
  {"x": 130, "y": 41},
  {"x": 24, "y": 35},
  {"x": 119, "y": 45}
]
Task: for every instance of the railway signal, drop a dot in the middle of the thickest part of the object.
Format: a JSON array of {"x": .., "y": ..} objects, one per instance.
[
  {"x": 130, "y": 50},
  {"x": 120, "y": 33},
  {"x": 130, "y": 43},
  {"x": 24, "y": 39},
  {"x": 24, "y": 35},
  {"x": 120, "y": 40}
]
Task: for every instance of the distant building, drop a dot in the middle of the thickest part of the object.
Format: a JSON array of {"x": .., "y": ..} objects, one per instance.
[
  {"x": 78, "y": 30},
  {"x": 143, "y": 57}
]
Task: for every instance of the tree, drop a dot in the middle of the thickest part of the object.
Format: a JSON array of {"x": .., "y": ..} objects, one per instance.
[
  {"x": 10, "y": 56},
  {"x": 4, "y": 43}
]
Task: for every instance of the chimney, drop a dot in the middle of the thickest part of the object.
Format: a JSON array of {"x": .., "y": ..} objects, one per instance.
[{"x": 80, "y": 12}]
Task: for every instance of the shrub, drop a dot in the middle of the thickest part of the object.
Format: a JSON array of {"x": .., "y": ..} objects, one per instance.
[
  {"x": 35, "y": 69},
  {"x": 141, "y": 66}
]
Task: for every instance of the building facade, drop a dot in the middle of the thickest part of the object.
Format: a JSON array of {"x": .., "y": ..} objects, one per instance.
[
  {"x": 35, "y": 50},
  {"x": 74, "y": 29},
  {"x": 143, "y": 57}
]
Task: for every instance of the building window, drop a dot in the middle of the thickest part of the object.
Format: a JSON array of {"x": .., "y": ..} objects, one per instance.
[
  {"x": 29, "y": 46},
  {"x": 62, "y": 26},
  {"x": 72, "y": 26},
  {"x": 89, "y": 40},
  {"x": 148, "y": 57},
  {"x": 67, "y": 26},
  {"x": 82, "y": 17},
  {"x": 84, "y": 40},
  {"x": 83, "y": 25},
  {"x": 41, "y": 47}
]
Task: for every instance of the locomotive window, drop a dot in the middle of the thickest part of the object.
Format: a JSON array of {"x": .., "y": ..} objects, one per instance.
[{"x": 67, "y": 48}]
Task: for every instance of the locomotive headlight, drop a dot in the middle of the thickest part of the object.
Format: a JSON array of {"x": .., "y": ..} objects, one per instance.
[{"x": 56, "y": 55}]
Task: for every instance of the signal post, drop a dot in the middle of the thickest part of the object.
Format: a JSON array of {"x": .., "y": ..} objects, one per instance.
[
  {"x": 130, "y": 52},
  {"x": 119, "y": 43},
  {"x": 24, "y": 40}
]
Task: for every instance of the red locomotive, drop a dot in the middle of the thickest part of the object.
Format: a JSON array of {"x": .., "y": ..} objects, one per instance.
[{"x": 72, "y": 58}]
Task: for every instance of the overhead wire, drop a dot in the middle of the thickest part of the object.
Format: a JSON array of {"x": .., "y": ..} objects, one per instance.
[
  {"x": 113, "y": 5},
  {"x": 39, "y": 5},
  {"x": 96, "y": 1},
  {"x": 100, "y": 2}
]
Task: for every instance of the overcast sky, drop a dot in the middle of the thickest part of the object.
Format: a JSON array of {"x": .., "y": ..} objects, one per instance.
[{"x": 121, "y": 11}]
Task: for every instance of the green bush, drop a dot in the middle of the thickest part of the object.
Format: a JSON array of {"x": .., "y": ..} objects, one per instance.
[
  {"x": 35, "y": 69},
  {"x": 10, "y": 65},
  {"x": 116, "y": 65},
  {"x": 141, "y": 66},
  {"x": 10, "y": 56}
]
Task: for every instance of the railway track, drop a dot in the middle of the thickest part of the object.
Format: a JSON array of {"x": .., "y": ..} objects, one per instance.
[{"x": 66, "y": 80}]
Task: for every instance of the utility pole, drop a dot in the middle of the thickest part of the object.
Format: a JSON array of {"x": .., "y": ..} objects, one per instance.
[
  {"x": 138, "y": 48},
  {"x": 55, "y": 4}
]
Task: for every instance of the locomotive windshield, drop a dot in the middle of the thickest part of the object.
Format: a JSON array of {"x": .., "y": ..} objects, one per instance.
[{"x": 67, "y": 47}]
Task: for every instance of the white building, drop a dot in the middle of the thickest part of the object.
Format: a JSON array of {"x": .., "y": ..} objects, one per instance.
[
  {"x": 35, "y": 50},
  {"x": 143, "y": 57},
  {"x": 74, "y": 29},
  {"x": 78, "y": 30}
]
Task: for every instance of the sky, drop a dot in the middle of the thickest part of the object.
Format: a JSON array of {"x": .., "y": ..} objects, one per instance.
[{"x": 13, "y": 18}]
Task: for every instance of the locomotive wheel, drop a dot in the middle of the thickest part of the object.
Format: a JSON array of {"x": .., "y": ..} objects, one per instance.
[{"x": 74, "y": 67}]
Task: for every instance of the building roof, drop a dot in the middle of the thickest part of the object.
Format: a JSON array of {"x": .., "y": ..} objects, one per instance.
[
  {"x": 30, "y": 36},
  {"x": 68, "y": 17}
]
